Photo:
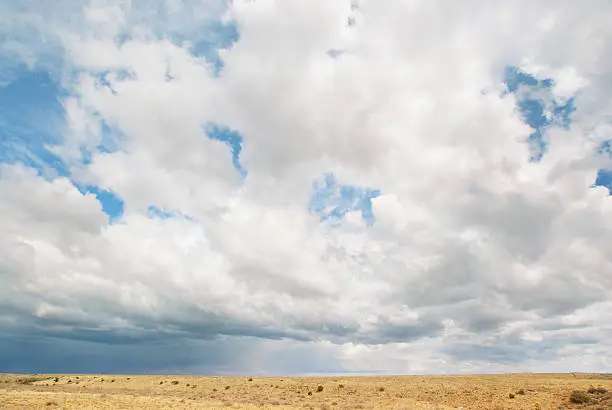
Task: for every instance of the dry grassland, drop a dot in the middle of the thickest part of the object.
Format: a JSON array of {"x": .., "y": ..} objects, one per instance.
[{"x": 516, "y": 391}]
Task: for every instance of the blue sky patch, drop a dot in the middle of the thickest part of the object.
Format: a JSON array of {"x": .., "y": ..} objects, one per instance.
[
  {"x": 112, "y": 205},
  {"x": 31, "y": 119},
  {"x": 538, "y": 107},
  {"x": 216, "y": 35},
  {"x": 162, "y": 213},
  {"x": 331, "y": 201},
  {"x": 604, "y": 178},
  {"x": 232, "y": 139}
]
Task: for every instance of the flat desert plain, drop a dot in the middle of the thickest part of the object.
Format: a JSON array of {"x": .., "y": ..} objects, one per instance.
[{"x": 512, "y": 391}]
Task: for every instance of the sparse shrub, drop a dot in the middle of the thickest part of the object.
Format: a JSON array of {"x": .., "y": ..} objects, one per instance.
[
  {"x": 129, "y": 378},
  {"x": 319, "y": 389},
  {"x": 51, "y": 403},
  {"x": 161, "y": 382},
  {"x": 175, "y": 382},
  {"x": 310, "y": 393},
  {"x": 521, "y": 392},
  {"x": 56, "y": 379},
  {"x": 77, "y": 377},
  {"x": 102, "y": 380},
  {"x": 29, "y": 380},
  {"x": 69, "y": 381},
  {"x": 276, "y": 387},
  {"x": 341, "y": 386},
  {"x": 597, "y": 390},
  {"x": 227, "y": 387},
  {"x": 187, "y": 385},
  {"x": 112, "y": 380},
  {"x": 511, "y": 395},
  {"x": 214, "y": 389},
  {"x": 334, "y": 403},
  {"x": 381, "y": 389},
  {"x": 250, "y": 379},
  {"x": 193, "y": 386},
  {"x": 579, "y": 397}
]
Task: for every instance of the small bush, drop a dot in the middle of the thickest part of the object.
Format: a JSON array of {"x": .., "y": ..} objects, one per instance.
[
  {"x": 310, "y": 393},
  {"x": 319, "y": 389},
  {"x": 29, "y": 380},
  {"x": 341, "y": 386},
  {"x": 56, "y": 379},
  {"x": 69, "y": 381},
  {"x": 51, "y": 403},
  {"x": 214, "y": 389},
  {"x": 511, "y": 395},
  {"x": 113, "y": 381},
  {"x": 381, "y": 389},
  {"x": 227, "y": 387},
  {"x": 521, "y": 392},
  {"x": 597, "y": 390},
  {"x": 250, "y": 379},
  {"x": 193, "y": 386},
  {"x": 187, "y": 385},
  {"x": 579, "y": 397},
  {"x": 161, "y": 382},
  {"x": 175, "y": 382}
]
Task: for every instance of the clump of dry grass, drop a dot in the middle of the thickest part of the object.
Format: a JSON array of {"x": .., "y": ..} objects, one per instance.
[
  {"x": 30, "y": 380},
  {"x": 597, "y": 390},
  {"x": 319, "y": 389},
  {"x": 579, "y": 397}
]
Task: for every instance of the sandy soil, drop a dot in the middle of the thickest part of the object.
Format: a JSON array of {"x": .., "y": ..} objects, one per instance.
[{"x": 517, "y": 391}]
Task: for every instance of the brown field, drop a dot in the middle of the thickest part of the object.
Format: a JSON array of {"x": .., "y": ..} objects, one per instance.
[{"x": 513, "y": 391}]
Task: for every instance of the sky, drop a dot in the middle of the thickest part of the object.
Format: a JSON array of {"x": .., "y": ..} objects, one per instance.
[{"x": 299, "y": 187}]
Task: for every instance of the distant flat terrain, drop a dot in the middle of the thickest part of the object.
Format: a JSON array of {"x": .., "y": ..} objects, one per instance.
[{"x": 516, "y": 391}]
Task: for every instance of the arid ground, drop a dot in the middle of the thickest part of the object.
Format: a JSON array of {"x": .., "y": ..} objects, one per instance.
[{"x": 516, "y": 391}]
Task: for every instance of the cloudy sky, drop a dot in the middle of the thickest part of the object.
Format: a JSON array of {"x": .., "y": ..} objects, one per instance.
[{"x": 305, "y": 186}]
